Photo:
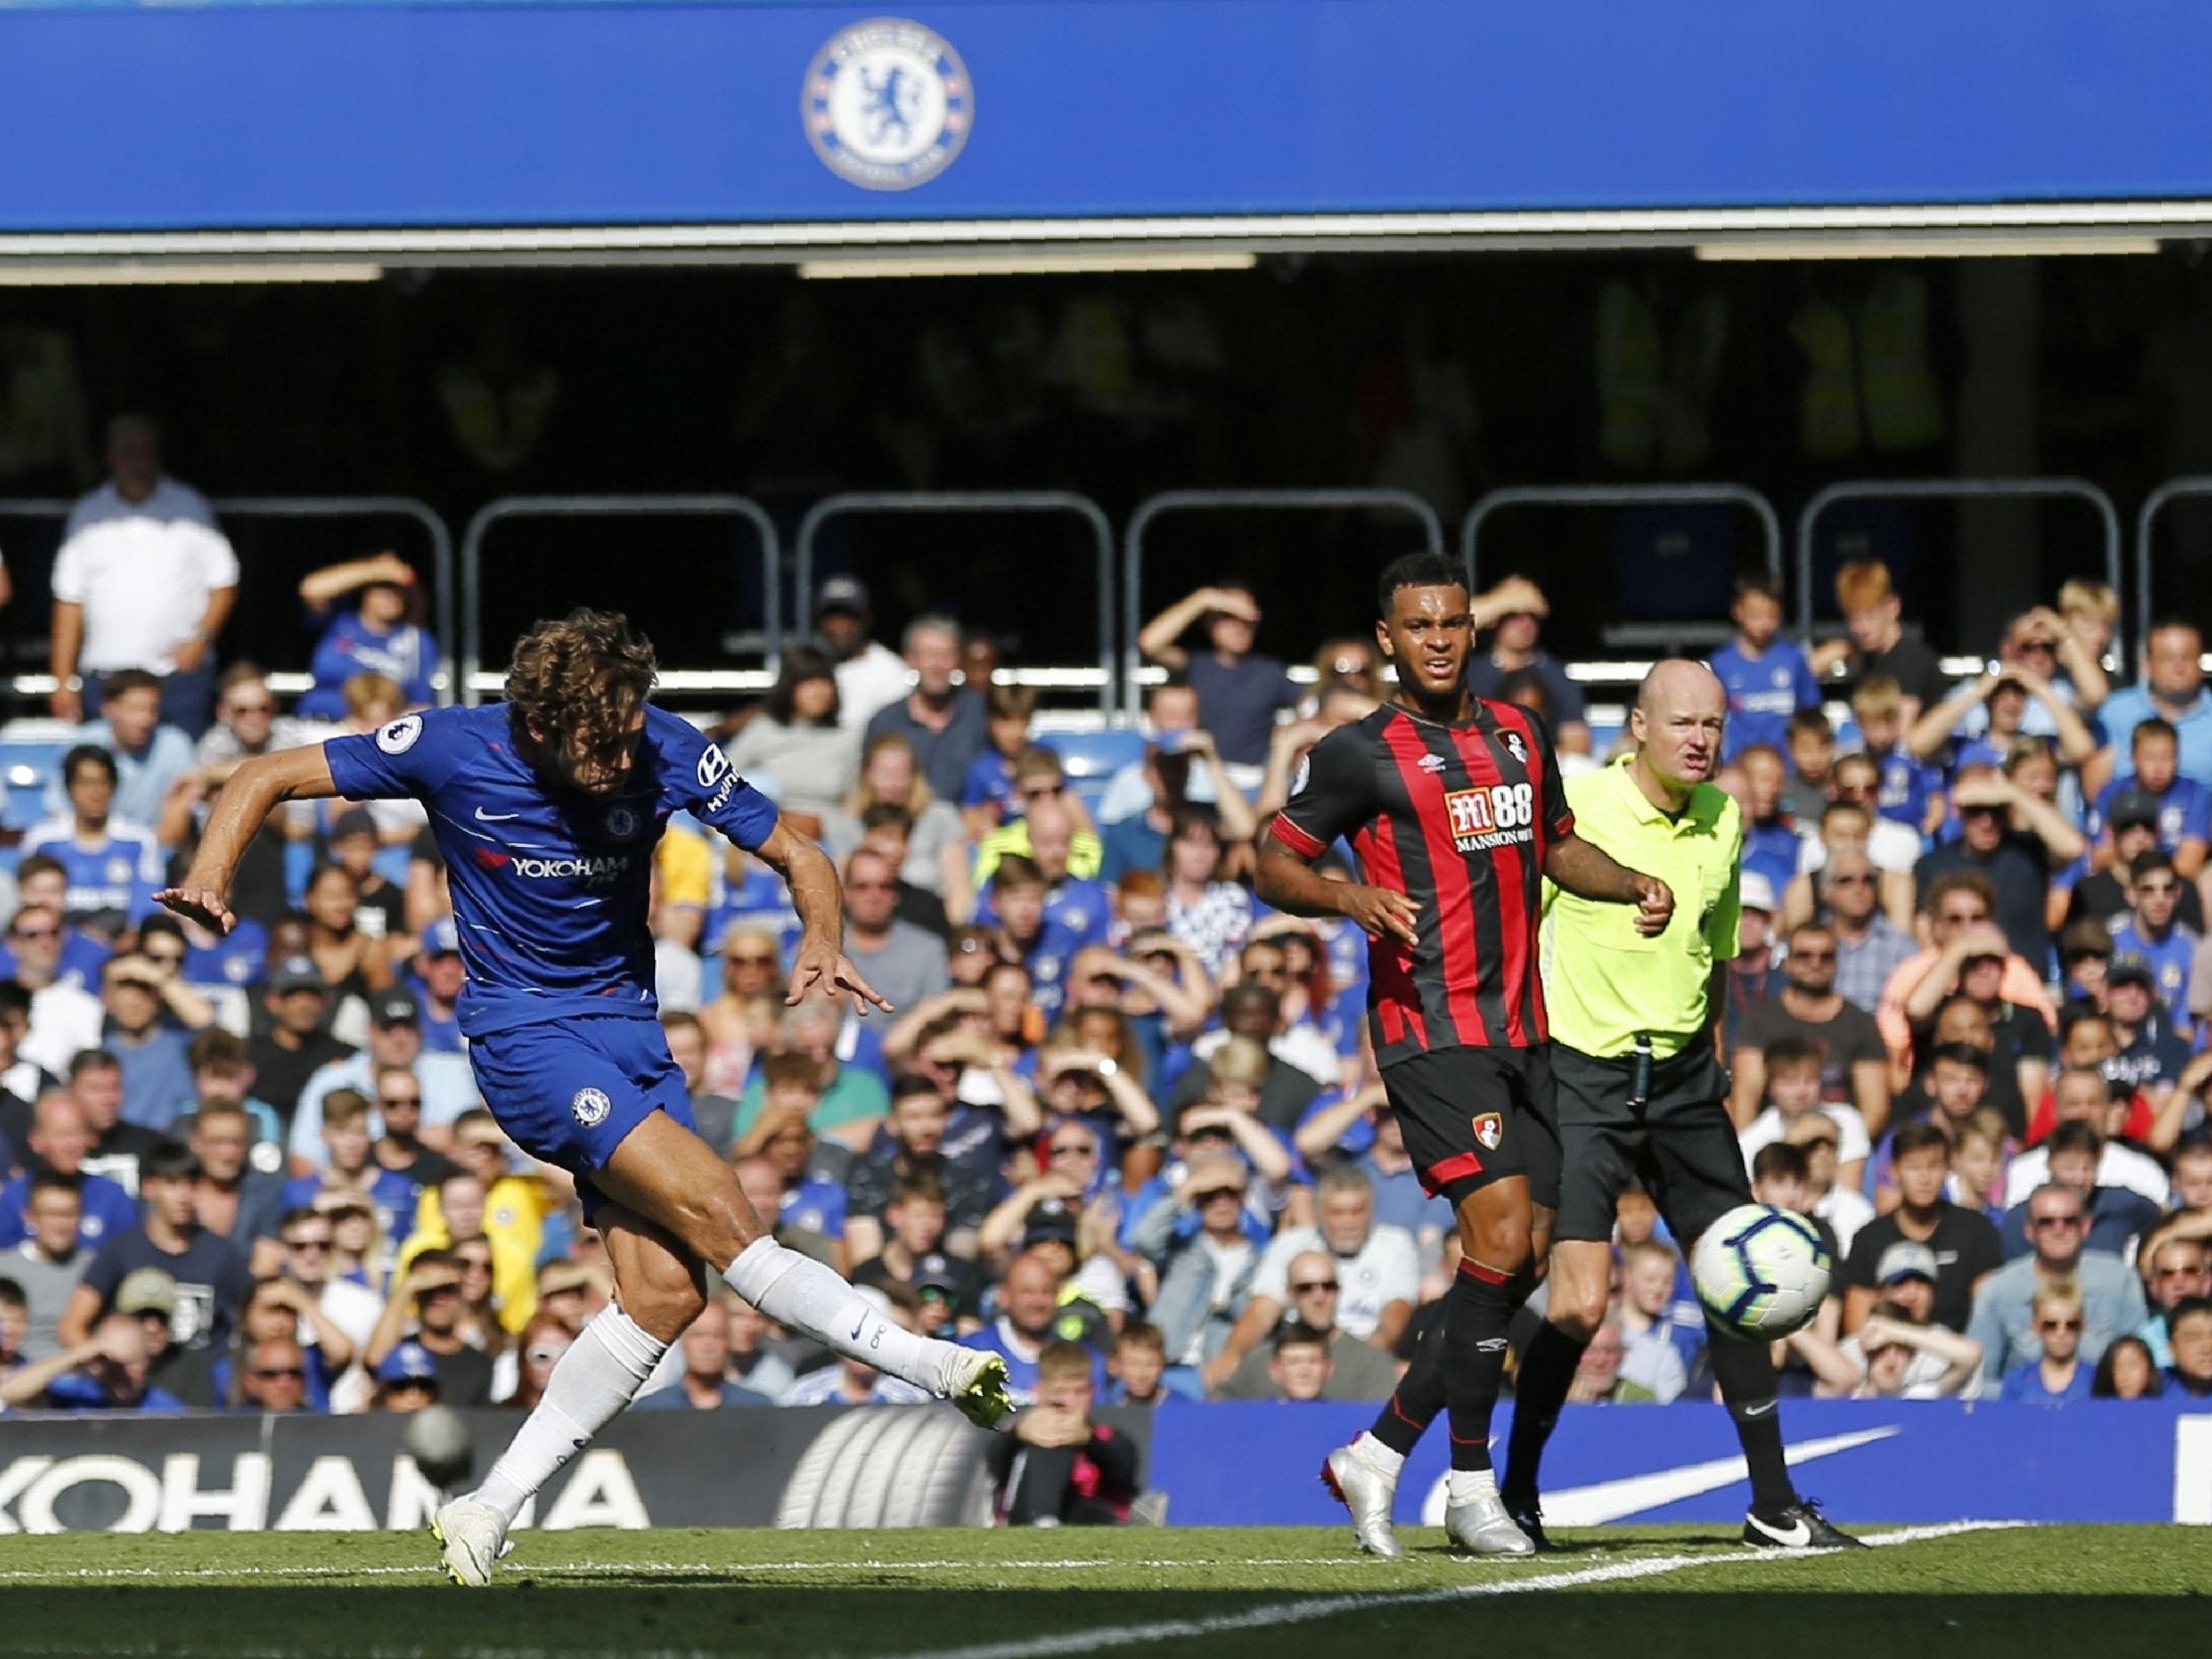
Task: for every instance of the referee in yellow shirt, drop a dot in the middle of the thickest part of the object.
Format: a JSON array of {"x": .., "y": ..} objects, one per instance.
[{"x": 1641, "y": 1092}]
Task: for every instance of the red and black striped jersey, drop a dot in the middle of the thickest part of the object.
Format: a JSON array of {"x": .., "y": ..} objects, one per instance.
[{"x": 1458, "y": 817}]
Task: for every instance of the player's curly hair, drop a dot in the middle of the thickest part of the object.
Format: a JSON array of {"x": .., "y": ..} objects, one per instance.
[{"x": 588, "y": 673}]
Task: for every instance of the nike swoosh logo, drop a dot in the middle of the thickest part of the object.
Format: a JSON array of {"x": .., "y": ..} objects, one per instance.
[
  {"x": 859, "y": 1325},
  {"x": 1761, "y": 1410},
  {"x": 1593, "y": 1506},
  {"x": 1796, "y": 1537},
  {"x": 496, "y": 817}
]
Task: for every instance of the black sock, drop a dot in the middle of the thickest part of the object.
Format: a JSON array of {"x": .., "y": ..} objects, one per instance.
[
  {"x": 1547, "y": 1372},
  {"x": 1478, "y": 1311},
  {"x": 1745, "y": 1372},
  {"x": 1406, "y": 1414}
]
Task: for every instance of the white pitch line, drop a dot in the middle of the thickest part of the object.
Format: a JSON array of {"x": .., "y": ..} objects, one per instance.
[
  {"x": 1318, "y": 1607},
  {"x": 645, "y": 1570}
]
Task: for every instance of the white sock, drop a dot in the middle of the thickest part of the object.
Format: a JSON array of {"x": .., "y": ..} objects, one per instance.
[
  {"x": 1463, "y": 1486},
  {"x": 800, "y": 1294},
  {"x": 590, "y": 1384},
  {"x": 1372, "y": 1450}
]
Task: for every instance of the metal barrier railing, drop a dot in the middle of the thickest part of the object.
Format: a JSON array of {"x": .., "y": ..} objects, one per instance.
[
  {"x": 1262, "y": 501},
  {"x": 989, "y": 502},
  {"x": 327, "y": 506},
  {"x": 2192, "y": 485},
  {"x": 736, "y": 508},
  {"x": 1621, "y": 494},
  {"x": 1953, "y": 489}
]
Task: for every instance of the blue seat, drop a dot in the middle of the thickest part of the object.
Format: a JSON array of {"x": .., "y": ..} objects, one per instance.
[
  {"x": 28, "y": 766},
  {"x": 1095, "y": 754}
]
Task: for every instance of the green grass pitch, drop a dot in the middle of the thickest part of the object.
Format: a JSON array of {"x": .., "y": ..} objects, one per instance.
[{"x": 1624, "y": 1593}]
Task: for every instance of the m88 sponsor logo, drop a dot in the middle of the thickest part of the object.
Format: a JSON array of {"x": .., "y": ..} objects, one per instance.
[{"x": 1490, "y": 817}]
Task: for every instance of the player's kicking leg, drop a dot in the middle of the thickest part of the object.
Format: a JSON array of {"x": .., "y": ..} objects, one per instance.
[{"x": 658, "y": 1293}]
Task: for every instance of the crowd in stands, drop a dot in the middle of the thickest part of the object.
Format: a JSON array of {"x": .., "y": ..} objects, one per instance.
[{"x": 1123, "y": 1126}]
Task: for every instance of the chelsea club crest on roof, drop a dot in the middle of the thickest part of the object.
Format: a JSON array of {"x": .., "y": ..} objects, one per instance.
[{"x": 888, "y": 105}]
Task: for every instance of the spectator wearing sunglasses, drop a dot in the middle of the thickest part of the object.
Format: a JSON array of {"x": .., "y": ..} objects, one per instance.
[
  {"x": 1358, "y": 1372},
  {"x": 2061, "y": 1374},
  {"x": 2003, "y": 1302}
]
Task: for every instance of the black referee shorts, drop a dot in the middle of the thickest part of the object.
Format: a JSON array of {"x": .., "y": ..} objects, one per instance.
[
  {"x": 1473, "y": 1115},
  {"x": 1681, "y": 1142}
]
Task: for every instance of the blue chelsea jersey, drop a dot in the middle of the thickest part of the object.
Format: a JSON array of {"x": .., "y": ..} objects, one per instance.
[{"x": 550, "y": 888}]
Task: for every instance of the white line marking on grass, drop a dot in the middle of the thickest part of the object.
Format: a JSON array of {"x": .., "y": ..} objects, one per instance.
[
  {"x": 642, "y": 1570},
  {"x": 1318, "y": 1607}
]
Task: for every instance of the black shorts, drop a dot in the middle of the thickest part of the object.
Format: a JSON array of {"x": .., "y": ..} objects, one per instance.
[
  {"x": 1681, "y": 1142},
  {"x": 1473, "y": 1115}
]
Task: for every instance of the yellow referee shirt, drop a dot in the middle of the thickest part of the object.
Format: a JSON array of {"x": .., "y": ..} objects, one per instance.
[{"x": 1605, "y": 983}]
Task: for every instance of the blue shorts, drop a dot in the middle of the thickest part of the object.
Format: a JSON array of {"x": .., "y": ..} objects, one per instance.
[{"x": 568, "y": 1092}]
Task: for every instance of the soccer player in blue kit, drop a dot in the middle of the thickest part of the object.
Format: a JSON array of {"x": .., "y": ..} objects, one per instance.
[{"x": 547, "y": 807}]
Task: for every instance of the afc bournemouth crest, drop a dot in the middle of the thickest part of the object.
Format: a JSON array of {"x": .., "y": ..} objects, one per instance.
[
  {"x": 1513, "y": 742},
  {"x": 888, "y": 105},
  {"x": 1489, "y": 1130}
]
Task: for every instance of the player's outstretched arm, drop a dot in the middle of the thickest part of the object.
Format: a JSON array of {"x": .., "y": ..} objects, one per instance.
[
  {"x": 255, "y": 791},
  {"x": 1590, "y": 871},
  {"x": 820, "y": 899}
]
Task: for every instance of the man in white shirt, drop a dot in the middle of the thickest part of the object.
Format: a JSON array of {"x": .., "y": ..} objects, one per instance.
[
  {"x": 143, "y": 579},
  {"x": 870, "y": 674},
  {"x": 2082, "y": 1095},
  {"x": 1378, "y": 1271}
]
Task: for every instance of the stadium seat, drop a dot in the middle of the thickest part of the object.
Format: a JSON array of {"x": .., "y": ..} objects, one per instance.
[
  {"x": 1092, "y": 758},
  {"x": 28, "y": 766}
]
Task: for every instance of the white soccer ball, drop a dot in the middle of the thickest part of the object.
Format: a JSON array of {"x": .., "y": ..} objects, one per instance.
[
  {"x": 439, "y": 1441},
  {"x": 1761, "y": 1272}
]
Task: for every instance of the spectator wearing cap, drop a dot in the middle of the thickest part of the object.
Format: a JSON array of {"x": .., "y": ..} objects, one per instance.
[
  {"x": 1093, "y": 1291},
  {"x": 2180, "y": 808},
  {"x": 913, "y": 1254},
  {"x": 427, "y": 1309},
  {"x": 2097, "y": 885},
  {"x": 149, "y": 1295},
  {"x": 296, "y": 1043},
  {"x": 1358, "y": 1369},
  {"x": 870, "y": 675},
  {"x": 1030, "y": 1315},
  {"x": 394, "y": 1039},
  {"x": 406, "y": 1378},
  {"x": 50, "y": 1262},
  {"x": 2016, "y": 840},
  {"x": 1898, "y": 1350},
  {"x": 2082, "y": 1095},
  {"x": 1752, "y": 975},
  {"x": 59, "y": 1140},
  {"x": 797, "y": 737},
  {"x": 381, "y": 632},
  {"x": 1240, "y": 691},
  {"x": 2172, "y": 689},
  {"x": 143, "y": 579},
  {"x": 439, "y": 979},
  {"x": 209, "y": 1271},
  {"x": 106, "y": 1371},
  {"x": 1514, "y": 613},
  {"x": 1964, "y": 1244},
  {"x": 705, "y": 1384},
  {"x": 113, "y": 863},
  {"x": 947, "y": 724},
  {"x": 2004, "y": 1305},
  {"x": 2152, "y": 931}
]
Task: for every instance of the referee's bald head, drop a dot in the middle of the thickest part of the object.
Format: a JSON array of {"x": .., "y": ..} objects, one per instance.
[{"x": 1678, "y": 680}]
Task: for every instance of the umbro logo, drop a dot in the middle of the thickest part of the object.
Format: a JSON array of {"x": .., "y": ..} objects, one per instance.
[{"x": 1431, "y": 763}]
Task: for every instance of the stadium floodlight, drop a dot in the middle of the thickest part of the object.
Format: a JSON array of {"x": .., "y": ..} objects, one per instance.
[
  {"x": 182, "y": 273},
  {"x": 1764, "y": 249},
  {"x": 1031, "y": 264}
]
